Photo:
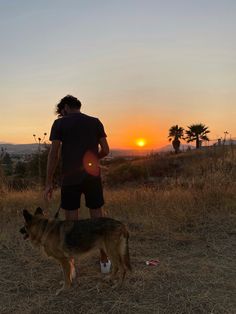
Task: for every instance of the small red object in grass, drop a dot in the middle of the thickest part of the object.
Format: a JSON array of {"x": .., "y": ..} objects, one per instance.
[{"x": 152, "y": 262}]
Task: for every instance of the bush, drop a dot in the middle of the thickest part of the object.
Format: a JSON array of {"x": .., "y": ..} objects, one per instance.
[{"x": 126, "y": 172}]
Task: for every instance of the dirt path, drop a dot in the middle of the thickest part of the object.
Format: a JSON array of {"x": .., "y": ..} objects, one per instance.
[{"x": 197, "y": 274}]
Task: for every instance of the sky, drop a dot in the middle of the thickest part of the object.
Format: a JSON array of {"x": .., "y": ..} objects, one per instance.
[{"x": 139, "y": 66}]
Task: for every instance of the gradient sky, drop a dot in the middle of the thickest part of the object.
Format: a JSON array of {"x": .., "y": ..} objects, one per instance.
[{"x": 140, "y": 66}]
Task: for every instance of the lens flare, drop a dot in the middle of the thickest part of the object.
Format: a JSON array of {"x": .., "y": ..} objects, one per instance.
[{"x": 91, "y": 164}]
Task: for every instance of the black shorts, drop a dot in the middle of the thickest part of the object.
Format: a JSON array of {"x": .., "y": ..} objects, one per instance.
[{"x": 91, "y": 187}]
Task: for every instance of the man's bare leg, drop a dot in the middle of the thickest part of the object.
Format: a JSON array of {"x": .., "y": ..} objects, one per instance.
[{"x": 97, "y": 213}]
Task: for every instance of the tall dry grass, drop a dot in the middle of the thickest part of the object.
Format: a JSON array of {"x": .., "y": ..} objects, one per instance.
[
  {"x": 198, "y": 192},
  {"x": 203, "y": 193},
  {"x": 185, "y": 218}
]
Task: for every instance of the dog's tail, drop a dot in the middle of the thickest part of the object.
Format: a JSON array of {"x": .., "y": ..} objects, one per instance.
[{"x": 125, "y": 249}]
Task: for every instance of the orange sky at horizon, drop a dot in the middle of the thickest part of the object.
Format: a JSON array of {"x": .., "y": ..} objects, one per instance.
[
  {"x": 123, "y": 139},
  {"x": 123, "y": 127},
  {"x": 120, "y": 135},
  {"x": 124, "y": 123}
]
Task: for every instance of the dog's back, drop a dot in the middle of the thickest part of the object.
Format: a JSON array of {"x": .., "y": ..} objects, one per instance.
[
  {"x": 105, "y": 233},
  {"x": 83, "y": 234}
]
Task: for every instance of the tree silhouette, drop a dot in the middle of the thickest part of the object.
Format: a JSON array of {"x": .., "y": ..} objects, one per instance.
[
  {"x": 39, "y": 141},
  {"x": 20, "y": 169},
  {"x": 175, "y": 134},
  {"x": 7, "y": 164},
  {"x": 2, "y": 178},
  {"x": 198, "y": 133},
  {"x": 33, "y": 167}
]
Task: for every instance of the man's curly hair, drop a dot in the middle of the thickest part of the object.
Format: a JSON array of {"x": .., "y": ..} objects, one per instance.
[{"x": 68, "y": 100}]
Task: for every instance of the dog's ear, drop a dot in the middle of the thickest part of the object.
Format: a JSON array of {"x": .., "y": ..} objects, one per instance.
[
  {"x": 27, "y": 215},
  {"x": 38, "y": 211}
]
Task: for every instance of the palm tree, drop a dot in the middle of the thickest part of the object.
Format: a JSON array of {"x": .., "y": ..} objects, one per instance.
[
  {"x": 198, "y": 133},
  {"x": 175, "y": 134}
]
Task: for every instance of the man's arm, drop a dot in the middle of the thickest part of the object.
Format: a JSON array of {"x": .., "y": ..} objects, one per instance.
[
  {"x": 104, "y": 148},
  {"x": 53, "y": 158}
]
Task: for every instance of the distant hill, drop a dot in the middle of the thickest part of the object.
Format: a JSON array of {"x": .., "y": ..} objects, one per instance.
[
  {"x": 169, "y": 148},
  {"x": 22, "y": 149}
]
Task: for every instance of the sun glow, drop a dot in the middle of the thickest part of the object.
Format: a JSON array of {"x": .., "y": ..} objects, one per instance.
[{"x": 141, "y": 142}]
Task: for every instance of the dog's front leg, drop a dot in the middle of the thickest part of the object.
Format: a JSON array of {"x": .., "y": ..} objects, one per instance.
[
  {"x": 72, "y": 269},
  {"x": 66, "y": 268}
]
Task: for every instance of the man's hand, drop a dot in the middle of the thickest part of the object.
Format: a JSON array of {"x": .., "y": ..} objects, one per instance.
[
  {"x": 48, "y": 192},
  {"x": 53, "y": 158},
  {"x": 104, "y": 151}
]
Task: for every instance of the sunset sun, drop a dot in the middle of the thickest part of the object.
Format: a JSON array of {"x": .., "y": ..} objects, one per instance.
[{"x": 141, "y": 142}]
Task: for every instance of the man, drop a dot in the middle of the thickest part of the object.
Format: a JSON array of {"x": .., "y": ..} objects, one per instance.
[{"x": 81, "y": 139}]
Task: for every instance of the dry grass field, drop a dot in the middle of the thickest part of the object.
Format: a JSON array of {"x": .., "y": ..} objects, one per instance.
[{"x": 188, "y": 222}]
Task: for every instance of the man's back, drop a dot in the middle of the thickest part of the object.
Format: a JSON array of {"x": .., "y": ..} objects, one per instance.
[{"x": 80, "y": 135}]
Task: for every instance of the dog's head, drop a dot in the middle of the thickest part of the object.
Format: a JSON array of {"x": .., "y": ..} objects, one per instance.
[{"x": 30, "y": 221}]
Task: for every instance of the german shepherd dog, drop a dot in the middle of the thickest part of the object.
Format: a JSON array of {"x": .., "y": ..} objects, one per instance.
[{"x": 63, "y": 240}]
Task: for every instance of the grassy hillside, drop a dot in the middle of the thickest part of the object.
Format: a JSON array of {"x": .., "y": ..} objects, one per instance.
[
  {"x": 181, "y": 210},
  {"x": 167, "y": 166}
]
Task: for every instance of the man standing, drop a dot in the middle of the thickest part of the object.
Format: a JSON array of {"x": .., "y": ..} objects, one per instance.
[{"x": 81, "y": 139}]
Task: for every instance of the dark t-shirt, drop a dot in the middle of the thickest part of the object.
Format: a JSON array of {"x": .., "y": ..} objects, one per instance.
[{"x": 80, "y": 136}]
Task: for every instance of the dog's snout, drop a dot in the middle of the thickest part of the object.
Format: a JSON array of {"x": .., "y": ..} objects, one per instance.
[{"x": 24, "y": 232}]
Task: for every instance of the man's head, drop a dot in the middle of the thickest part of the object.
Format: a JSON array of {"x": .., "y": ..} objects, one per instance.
[{"x": 67, "y": 104}]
